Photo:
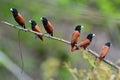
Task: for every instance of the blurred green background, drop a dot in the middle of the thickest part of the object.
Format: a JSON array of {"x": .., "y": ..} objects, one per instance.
[{"x": 44, "y": 60}]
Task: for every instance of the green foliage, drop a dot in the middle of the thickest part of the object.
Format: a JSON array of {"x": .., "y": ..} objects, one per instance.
[
  {"x": 53, "y": 69},
  {"x": 49, "y": 68},
  {"x": 96, "y": 72}
]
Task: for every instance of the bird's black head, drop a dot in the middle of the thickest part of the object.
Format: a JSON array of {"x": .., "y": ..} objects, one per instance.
[
  {"x": 33, "y": 23},
  {"x": 108, "y": 44},
  {"x": 44, "y": 20},
  {"x": 90, "y": 36},
  {"x": 14, "y": 11},
  {"x": 78, "y": 28}
]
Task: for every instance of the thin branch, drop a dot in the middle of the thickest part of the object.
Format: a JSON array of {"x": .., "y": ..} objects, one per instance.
[
  {"x": 105, "y": 60},
  {"x": 64, "y": 41},
  {"x": 45, "y": 35}
]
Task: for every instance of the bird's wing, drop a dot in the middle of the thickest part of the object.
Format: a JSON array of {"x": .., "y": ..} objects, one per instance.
[
  {"x": 84, "y": 42},
  {"x": 104, "y": 51}
]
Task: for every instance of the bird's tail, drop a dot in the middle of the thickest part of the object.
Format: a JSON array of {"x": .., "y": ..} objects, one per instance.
[
  {"x": 41, "y": 37},
  {"x": 72, "y": 47}
]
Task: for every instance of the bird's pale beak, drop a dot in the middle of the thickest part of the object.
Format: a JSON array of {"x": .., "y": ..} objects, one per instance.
[
  {"x": 11, "y": 9},
  {"x": 41, "y": 18},
  {"x": 30, "y": 21},
  {"x": 94, "y": 35},
  {"x": 110, "y": 44},
  {"x": 82, "y": 26}
]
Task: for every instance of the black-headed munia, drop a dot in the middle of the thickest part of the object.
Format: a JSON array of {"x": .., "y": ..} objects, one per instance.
[
  {"x": 17, "y": 16},
  {"x": 36, "y": 28},
  {"x": 47, "y": 25},
  {"x": 104, "y": 51},
  {"x": 85, "y": 42},
  {"x": 75, "y": 36}
]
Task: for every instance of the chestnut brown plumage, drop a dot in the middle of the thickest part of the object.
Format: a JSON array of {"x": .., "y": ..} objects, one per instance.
[
  {"x": 85, "y": 42},
  {"x": 18, "y": 18},
  {"x": 36, "y": 28},
  {"x": 47, "y": 25},
  {"x": 75, "y": 36},
  {"x": 104, "y": 51}
]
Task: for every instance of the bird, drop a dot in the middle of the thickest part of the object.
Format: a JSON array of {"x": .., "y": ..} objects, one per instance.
[
  {"x": 47, "y": 25},
  {"x": 75, "y": 36},
  {"x": 18, "y": 17},
  {"x": 85, "y": 42},
  {"x": 104, "y": 51},
  {"x": 36, "y": 28}
]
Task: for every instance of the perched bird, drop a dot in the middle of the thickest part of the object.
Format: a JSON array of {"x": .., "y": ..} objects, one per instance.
[
  {"x": 17, "y": 16},
  {"x": 19, "y": 19},
  {"x": 75, "y": 36},
  {"x": 104, "y": 51},
  {"x": 47, "y": 25},
  {"x": 85, "y": 42},
  {"x": 36, "y": 28}
]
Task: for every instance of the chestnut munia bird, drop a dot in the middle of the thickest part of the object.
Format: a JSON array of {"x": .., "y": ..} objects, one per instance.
[
  {"x": 104, "y": 51},
  {"x": 75, "y": 36},
  {"x": 36, "y": 28},
  {"x": 47, "y": 25},
  {"x": 85, "y": 42},
  {"x": 18, "y": 18}
]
